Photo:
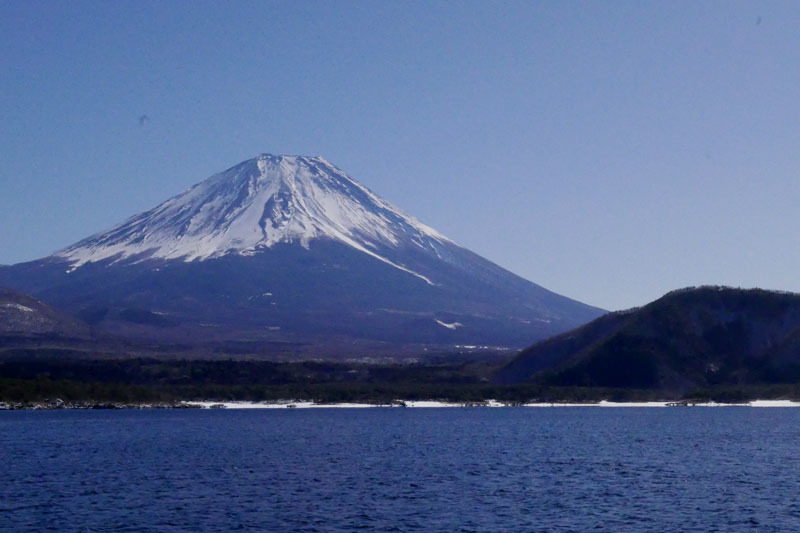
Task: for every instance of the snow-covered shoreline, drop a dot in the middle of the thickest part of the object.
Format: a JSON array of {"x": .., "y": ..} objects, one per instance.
[
  {"x": 487, "y": 403},
  {"x": 423, "y": 404}
]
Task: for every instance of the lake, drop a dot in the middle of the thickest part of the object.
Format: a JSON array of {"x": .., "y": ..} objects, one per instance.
[{"x": 456, "y": 469}]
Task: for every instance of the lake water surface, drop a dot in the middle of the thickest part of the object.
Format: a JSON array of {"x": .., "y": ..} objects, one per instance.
[{"x": 470, "y": 469}]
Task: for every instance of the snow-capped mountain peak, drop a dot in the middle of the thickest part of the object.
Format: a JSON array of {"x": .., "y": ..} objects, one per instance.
[
  {"x": 255, "y": 205},
  {"x": 286, "y": 253}
]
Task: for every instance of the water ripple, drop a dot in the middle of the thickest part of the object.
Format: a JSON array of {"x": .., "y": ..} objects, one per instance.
[{"x": 566, "y": 469}]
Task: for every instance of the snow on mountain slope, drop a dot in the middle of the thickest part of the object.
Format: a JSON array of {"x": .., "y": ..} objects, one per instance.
[{"x": 255, "y": 205}]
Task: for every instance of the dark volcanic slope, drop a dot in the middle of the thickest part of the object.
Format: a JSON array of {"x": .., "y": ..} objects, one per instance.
[
  {"x": 688, "y": 338},
  {"x": 322, "y": 294}
]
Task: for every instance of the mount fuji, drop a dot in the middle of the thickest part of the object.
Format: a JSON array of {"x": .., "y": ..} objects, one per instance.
[{"x": 291, "y": 252}]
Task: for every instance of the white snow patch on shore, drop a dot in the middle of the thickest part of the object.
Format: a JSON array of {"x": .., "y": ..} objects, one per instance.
[
  {"x": 774, "y": 403},
  {"x": 430, "y": 403}
]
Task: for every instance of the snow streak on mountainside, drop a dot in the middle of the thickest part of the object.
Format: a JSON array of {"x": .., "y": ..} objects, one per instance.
[{"x": 255, "y": 205}]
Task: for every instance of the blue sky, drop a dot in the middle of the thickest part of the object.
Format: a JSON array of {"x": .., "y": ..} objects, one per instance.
[{"x": 609, "y": 151}]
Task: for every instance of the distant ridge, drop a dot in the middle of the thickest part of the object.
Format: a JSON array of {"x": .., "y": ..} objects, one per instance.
[{"x": 24, "y": 316}]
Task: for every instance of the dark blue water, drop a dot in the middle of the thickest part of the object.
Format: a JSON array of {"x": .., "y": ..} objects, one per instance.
[{"x": 514, "y": 469}]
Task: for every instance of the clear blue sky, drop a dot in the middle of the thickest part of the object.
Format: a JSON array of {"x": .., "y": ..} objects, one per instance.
[{"x": 610, "y": 151}]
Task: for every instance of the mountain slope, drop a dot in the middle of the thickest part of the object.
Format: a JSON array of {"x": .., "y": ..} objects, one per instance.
[
  {"x": 290, "y": 249},
  {"x": 689, "y": 338},
  {"x": 24, "y": 316}
]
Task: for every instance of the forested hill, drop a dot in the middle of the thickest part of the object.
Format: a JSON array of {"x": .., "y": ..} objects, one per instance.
[{"x": 690, "y": 338}]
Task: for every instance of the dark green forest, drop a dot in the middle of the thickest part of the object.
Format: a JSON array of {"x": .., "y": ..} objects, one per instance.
[{"x": 151, "y": 381}]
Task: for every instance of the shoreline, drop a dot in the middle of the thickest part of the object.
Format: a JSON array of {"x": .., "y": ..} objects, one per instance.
[
  {"x": 50, "y": 405},
  {"x": 423, "y": 404}
]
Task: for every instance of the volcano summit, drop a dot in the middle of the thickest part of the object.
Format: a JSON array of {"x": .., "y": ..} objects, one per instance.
[
  {"x": 255, "y": 205},
  {"x": 291, "y": 251}
]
